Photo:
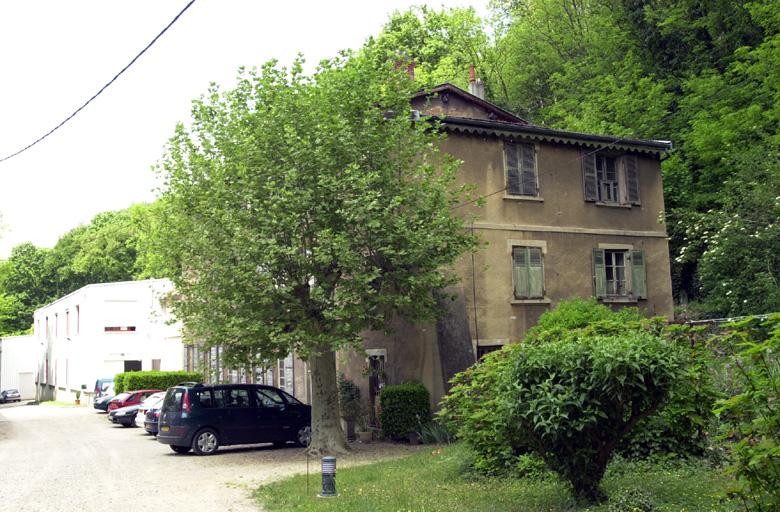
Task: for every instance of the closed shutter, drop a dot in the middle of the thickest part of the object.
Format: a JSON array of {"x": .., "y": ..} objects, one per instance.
[
  {"x": 512, "y": 169},
  {"x": 589, "y": 181},
  {"x": 528, "y": 180},
  {"x": 599, "y": 273},
  {"x": 520, "y": 264},
  {"x": 535, "y": 273},
  {"x": 638, "y": 275},
  {"x": 632, "y": 179}
]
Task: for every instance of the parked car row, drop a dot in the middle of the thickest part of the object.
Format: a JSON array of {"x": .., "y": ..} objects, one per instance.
[{"x": 201, "y": 418}]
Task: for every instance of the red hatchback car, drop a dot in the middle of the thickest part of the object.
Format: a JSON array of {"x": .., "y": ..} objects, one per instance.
[{"x": 130, "y": 398}]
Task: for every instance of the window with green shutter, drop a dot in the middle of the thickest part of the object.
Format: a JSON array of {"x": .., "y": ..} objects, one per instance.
[
  {"x": 609, "y": 179},
  {"x": 619, "y": 274},
  {"x": 528, "y": 272},
  {"x": 520, "y": 161}
]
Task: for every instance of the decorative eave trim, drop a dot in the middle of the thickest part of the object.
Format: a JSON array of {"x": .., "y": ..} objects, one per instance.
[{"x": 538, "y": 133}]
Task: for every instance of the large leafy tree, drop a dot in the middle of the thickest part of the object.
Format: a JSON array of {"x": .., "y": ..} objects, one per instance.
[{"x": 301, "y": 211}]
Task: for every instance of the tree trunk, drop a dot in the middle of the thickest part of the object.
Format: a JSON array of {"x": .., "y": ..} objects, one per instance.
[{"x": 326, "y": 433}]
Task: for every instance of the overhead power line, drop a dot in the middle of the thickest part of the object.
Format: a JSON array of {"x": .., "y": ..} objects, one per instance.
[{"x": 41, "y": 138}]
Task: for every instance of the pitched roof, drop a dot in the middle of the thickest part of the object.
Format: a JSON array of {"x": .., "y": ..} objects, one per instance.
[
  {"x": 505, "y": 123},
  {"x": 500, "y": 113}
]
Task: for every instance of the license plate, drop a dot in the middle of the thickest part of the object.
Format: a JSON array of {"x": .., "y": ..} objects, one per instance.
[{"x": 166, "y": 428}]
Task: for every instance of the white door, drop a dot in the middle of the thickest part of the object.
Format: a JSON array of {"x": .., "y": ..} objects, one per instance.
[{"x": 26, "y": 385}]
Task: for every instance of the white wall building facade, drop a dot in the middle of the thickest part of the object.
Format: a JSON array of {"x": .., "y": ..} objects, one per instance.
[
  {"x": 18, "y": 364},
  {"x": 101, "y": 330}
]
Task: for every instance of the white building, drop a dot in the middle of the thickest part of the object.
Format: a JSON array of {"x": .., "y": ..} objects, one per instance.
[
  {"x": 18, "y": 364},
  {"x": 101, "y": 330}
]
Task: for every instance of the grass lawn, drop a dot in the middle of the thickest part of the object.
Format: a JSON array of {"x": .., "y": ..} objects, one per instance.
[{"x": 435, "y": 480}]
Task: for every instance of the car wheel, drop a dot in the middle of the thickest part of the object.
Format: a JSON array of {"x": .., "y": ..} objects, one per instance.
[
  {"x": 303, "y": 437},
  {"x": 205, "y": 442},
  {"x": 180, "y": 449}
]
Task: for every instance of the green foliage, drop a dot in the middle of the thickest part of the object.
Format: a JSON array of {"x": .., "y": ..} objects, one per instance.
[
  {"x": 434, "y": 432},
  {"x": 476, "y": 411},
  {"x": 578, "y": 313},
  {"x": 350, "y": 404},
  {"x": 751, "y": 417},
  {"x": 442, "y": 44},
  {"x": 683, "y": 425},
  {"x": 575, "y": 399},
  {"x": 299, "y": 213},
  {"x": 403, "y": 408},
  {"x": 433, "y": 480},
  {"x": 119, "y": 383},
  {"x": 631, "y": 500},
  {"x": 129, "y": 381}
]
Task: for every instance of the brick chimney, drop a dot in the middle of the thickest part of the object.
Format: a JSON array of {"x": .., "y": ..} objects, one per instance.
[{"x": 476, "y": 86}]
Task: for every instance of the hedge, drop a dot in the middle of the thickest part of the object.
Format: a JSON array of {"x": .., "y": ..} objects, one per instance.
[
  {"x": 129, "y": 381},
  {"x": 404, "y": 408}
]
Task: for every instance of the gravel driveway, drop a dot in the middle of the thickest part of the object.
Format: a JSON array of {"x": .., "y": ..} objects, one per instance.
[{"x": 72, "y": 459}]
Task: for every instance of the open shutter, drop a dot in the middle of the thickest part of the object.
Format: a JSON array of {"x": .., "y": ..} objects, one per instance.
[
  {"x": 512, "y": 169},
  {"x": 589, "y": 181},
  {"x": 528, "y": 179},
  {"x": 599, "y": 273},
  {"x": 535, "y": 273},
  {"x": 520, "y": 269},
  {"x": 632, "y": 179},
  {"x": 638, "y": 275}
]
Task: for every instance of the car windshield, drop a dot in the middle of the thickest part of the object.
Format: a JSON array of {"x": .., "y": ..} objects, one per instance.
[
  {"x": 173, "y": 399},
  {"x": 122, "y": 396},
  {"x": 152, "y": 400},
  {"x": 13, "y": 390}
]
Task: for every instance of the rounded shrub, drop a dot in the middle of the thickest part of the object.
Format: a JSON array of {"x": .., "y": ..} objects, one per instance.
[
  {"x": 575, "y": 399},
  {"x": 404, "y": 407}
]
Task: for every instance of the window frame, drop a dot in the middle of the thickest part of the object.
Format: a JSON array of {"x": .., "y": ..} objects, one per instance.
[
  {"x": 634, "y": 276},
  {"x": 622, "y": 191},
  {"x": 529, "y": 296},
  {"x": 519, "y": 148}
]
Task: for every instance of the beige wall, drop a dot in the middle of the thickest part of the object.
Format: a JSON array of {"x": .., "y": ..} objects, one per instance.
[{"x": 562, "y": 222}]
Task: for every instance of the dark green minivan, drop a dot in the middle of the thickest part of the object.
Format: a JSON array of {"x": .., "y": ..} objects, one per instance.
[{"x": 203, "y": 418}]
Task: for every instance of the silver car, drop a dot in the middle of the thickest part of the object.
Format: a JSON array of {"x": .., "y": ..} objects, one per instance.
[{"x": 10, "y": 395}]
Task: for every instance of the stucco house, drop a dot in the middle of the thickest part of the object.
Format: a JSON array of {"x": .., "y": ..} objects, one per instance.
[{"x": 566, "y": 215}]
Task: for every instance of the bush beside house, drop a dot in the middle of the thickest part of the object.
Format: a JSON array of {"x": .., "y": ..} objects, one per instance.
[
  {"x": 404, "y": 408},
  {"x": 129, "y": 381}
]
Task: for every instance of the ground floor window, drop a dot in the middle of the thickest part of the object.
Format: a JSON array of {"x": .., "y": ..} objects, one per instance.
[
  {"x": 619, "y": 273},
  {"x": 528, "y": 272}
]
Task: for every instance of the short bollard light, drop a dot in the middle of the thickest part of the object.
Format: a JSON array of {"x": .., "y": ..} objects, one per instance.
[{"x": 328, "y": 477}]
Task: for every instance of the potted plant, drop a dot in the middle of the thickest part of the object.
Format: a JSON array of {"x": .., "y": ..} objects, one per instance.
[
  {"x": 78, "y": 397},
  {"x": 364, "y": 432},
  {"x": 350, "y": 404}
]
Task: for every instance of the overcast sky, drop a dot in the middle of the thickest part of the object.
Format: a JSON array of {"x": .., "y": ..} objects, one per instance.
[{"x": 56, "y": 54}]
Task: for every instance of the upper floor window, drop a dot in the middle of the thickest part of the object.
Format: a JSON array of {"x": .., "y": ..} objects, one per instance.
[
  {"x": 528, "y": 272},
  {"x": 520, "y": 164},
  {"x": 619, "y": 274},
  {"x": 611, "y": 179}
]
